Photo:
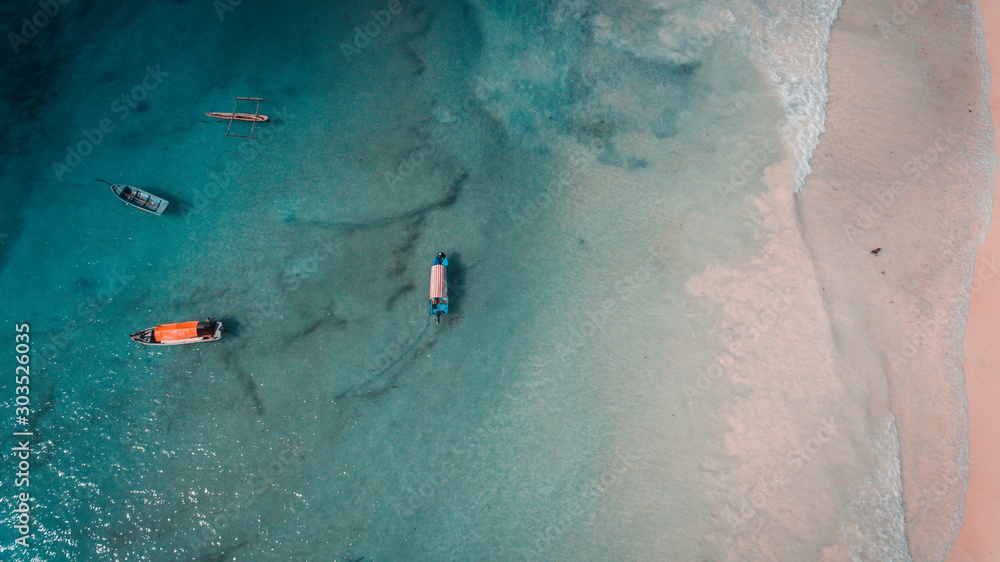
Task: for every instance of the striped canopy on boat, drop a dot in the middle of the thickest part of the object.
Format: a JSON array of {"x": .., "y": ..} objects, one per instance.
[{"x": 439, "y": 284}]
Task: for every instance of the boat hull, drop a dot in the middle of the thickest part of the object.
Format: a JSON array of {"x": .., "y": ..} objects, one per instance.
[
  {"x": 140, "y": 199},
  {"x": 239, "y": 116},
  {"x": 439, "y": 286},
  {"x": 181, "y": 333}
]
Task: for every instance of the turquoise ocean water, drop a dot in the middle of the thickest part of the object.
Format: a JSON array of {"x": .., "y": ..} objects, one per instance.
[{"x": 586, "y": 166}]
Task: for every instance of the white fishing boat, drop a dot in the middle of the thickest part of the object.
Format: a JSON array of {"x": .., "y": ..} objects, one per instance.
[{"x": 138, "y": 198}]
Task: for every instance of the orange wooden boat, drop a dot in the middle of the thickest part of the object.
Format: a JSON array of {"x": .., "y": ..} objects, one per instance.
[{"x": 180, "y": 333}]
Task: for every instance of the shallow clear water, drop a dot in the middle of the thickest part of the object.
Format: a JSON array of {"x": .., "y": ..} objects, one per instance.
[{"x": 625, "y": 287}]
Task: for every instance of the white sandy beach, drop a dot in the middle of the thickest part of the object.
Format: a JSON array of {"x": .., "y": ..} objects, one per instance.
[
  {"x": 908, "y": 126},
  {"x": 979, "y": 539}
]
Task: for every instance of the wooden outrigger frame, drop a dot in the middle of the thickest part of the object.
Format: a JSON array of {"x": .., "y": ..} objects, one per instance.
[{"x": 254, "y": 119}]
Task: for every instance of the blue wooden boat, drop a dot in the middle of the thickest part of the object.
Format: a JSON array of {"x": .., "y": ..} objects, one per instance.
[
  {"x": 439, "y": 286},
  {"x": 138, "y": 198}
]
